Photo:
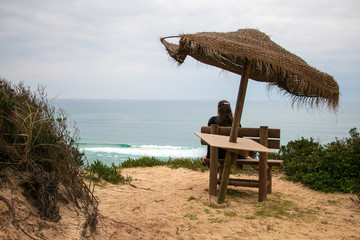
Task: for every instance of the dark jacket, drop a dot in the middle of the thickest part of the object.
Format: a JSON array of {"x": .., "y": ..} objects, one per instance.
[{"x": 222, "y": 152}]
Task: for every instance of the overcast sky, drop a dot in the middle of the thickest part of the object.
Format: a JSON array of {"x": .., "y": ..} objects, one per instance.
[{"x": 111, "y": 49}]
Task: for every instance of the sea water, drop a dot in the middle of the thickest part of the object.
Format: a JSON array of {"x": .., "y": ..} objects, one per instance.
[{"x": 115, "y": 130}]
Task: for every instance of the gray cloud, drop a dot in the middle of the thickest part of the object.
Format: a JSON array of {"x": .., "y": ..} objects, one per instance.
[{"x": 111, "y": 49}]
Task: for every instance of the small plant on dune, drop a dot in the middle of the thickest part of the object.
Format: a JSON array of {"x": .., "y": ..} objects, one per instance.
[
  {"x": 280, "y": 208},
  {"x": 215, "y": 220},
  {"x": 230, "y": 214},
  {"x": 98, "y": 170},
  {"x": 191, "y": 216},
  {"x": 191, "y": 198}
]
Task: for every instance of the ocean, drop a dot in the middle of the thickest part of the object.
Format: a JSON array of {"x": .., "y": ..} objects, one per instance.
[{"x": 115, "y": 130}]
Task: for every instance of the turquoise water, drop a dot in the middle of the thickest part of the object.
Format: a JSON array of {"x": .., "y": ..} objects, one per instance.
[{"x": 115, "y": 130}]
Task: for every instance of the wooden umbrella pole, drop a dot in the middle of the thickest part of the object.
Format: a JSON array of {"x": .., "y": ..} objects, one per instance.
[
  {"x": 231, "y": 156},
  {"x": 240, "y": 102}
]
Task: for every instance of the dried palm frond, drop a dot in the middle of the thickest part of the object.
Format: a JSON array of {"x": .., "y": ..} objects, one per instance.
[{"x": 269, "y": 63}]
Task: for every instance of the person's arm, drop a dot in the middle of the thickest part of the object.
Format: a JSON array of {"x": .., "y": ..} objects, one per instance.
[{"x": 212, "y": 120}]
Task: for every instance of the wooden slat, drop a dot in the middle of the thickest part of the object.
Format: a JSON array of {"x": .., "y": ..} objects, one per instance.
[
  {"x": 273, "y": 144},
  {"x": 247, "y": 132},
  {"x": 271, "y": 162},
  {"x": 273, "y": 133},
  {"x": 252, "y": 161},
  {"x": 243, "y": 182}
]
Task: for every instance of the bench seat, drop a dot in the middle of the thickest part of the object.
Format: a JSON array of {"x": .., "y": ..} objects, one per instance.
[{"x": 252, "y": 161}]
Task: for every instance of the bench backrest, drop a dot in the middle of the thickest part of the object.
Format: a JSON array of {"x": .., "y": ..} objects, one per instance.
[{"x": 252, "y": 133}]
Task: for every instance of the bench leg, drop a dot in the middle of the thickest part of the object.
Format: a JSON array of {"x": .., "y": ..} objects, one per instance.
[
  {"x": 213, "y": 164},
  {"x": 213, "y": 171},
  {"x": 221, "y": 168},
  {"x": 263, "y": 170},
  {"x": 263, "y": 165},
  {"x": 269, "y": 176}
]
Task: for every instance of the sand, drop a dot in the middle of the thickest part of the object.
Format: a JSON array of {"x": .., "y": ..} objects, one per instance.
[{"x": 165, "y": 203}]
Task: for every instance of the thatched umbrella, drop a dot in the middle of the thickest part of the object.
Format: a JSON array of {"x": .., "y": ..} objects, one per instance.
[{"x": 251, "y": 54}]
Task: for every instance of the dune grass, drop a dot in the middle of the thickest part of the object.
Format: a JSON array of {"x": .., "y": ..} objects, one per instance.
[
  {"x": 193, "y": 164},
  {"x": 98, "y": 171},
  {"x": 40, "y": 151}
]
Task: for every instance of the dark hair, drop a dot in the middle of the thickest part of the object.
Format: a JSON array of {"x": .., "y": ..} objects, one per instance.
[{"x": 225, "y": 116}]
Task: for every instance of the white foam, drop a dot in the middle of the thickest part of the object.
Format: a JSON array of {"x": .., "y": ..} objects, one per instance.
[{"x": 150, "y": 151}]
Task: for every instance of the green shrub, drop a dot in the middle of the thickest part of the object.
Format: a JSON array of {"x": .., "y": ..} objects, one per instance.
[
  {"x": 143, "y": 162},
  {"x": 194, "y": 164},
  {"x": 333, "y": 167},
  {"x": 299, "y": 157},
  {"x": 99, "y": 170},
  {"x": 187, "y": 163}
]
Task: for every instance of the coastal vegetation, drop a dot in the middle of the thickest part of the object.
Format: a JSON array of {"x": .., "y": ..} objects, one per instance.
[
  {"x": 193, "y": 164},
  {"x": 40, "y": 155},
  {"x": 98, "y": 171},
  {"x": 334, "y": 167}
]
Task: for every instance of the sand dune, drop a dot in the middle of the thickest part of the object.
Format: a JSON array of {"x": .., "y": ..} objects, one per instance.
[
  {"x": 175, "y": 204},
  {"x": 166, "y": 203}
]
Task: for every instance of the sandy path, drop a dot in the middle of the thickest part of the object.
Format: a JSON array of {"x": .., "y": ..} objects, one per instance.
[{"x": 174, "y": 204}]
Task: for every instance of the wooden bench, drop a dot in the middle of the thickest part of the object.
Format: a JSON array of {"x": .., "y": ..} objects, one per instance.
[{"x": 268, "y": 137}]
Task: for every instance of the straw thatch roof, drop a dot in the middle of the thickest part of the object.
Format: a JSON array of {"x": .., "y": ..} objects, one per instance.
[{"x": 269, "y": 63}]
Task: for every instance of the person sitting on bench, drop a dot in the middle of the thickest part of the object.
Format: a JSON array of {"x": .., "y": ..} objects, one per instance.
[{"x": 225, "y": 119}]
